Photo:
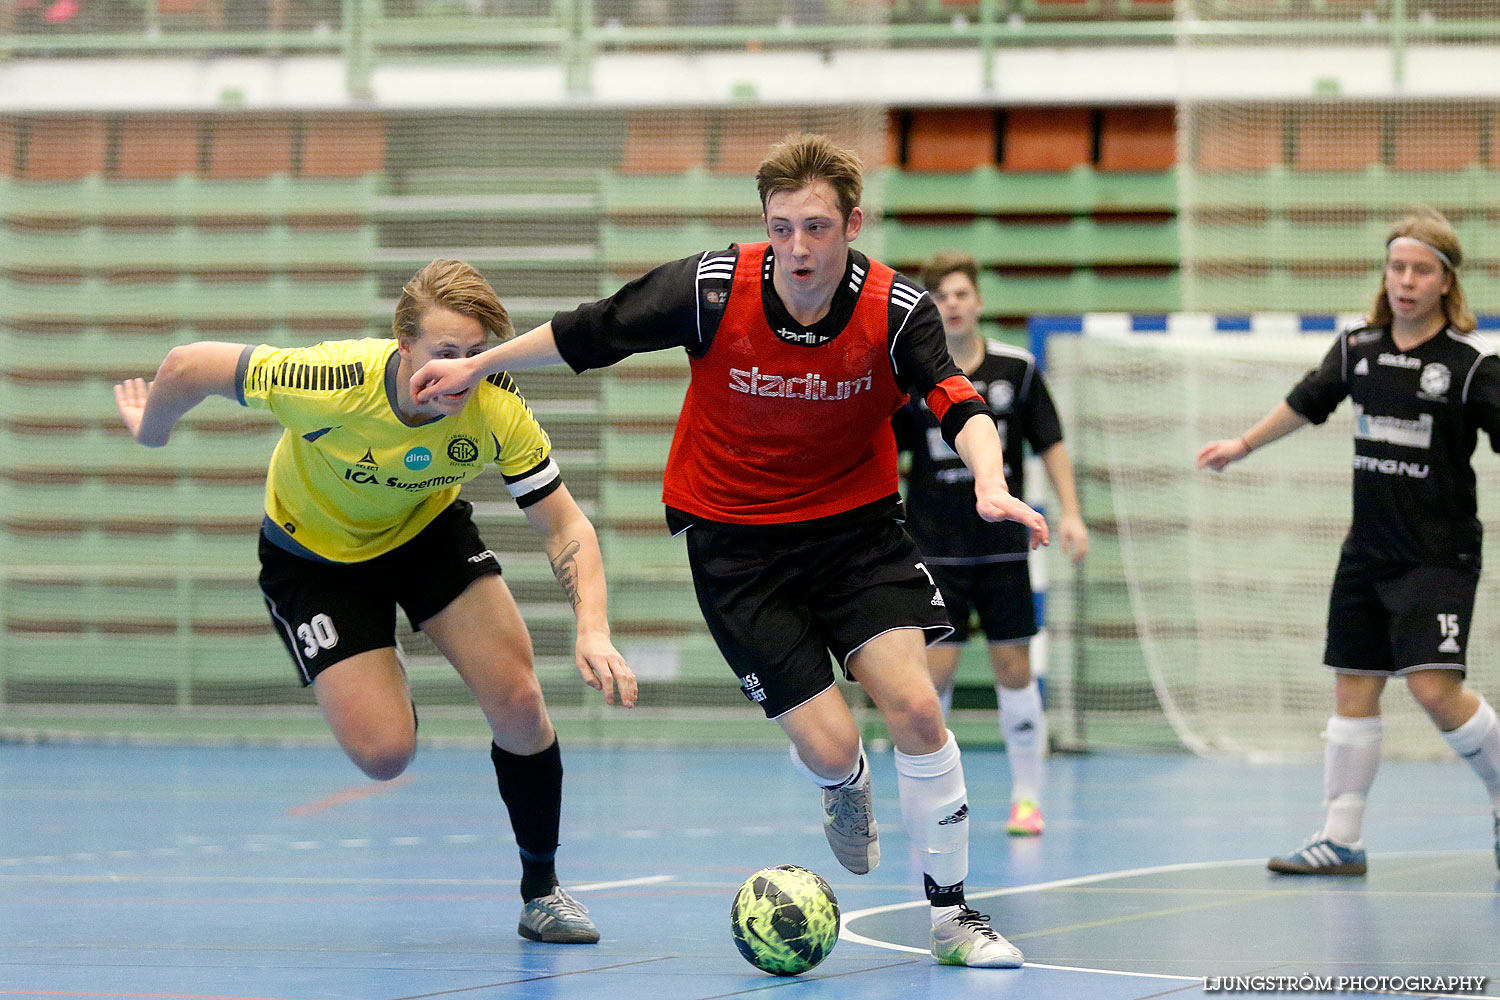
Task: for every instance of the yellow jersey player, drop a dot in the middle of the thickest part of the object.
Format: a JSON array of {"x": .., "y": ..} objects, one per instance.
[{"x": 363, "y": 514}]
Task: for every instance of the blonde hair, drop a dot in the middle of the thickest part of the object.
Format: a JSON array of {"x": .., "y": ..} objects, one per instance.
[
  {"x": 455, "y": 285},
  {"x": 803, "y": 158},
  {"x": 1431, "y": 227}
]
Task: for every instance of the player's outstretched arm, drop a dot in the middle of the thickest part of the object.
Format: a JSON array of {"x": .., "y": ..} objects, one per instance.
[
  {"x": 189, "y": 375},
  {"x": 573, "y": 549},
  {"x": 1070, "y": 527},
  {"x": 979, "y": 446},
  {"x": 447, "y": 376},
  {"x": 1274, "y": 426}
]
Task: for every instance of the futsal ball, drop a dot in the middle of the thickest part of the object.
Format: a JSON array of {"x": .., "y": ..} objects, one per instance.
[{"x": 785, "y": 920}]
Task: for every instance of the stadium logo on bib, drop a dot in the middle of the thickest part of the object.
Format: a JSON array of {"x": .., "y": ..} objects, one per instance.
[
  {"x": 463, "y": 449},
  {"x": 417, "y": 459}
]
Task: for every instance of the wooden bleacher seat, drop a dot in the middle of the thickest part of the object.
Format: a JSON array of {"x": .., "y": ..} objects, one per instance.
[
  {"x": 8, "y": 142},
  {"x": 665, "y": 143},
  {"x": 950, "y": 140},
  {"x": 1046, "y": 139},
  {"x": 1138, "y": 139},
  {"x": 1249, "y": 140},
  {"x": 343, "y": 146},
  {"x": 1437, "y": 138},
  {"x": 878, "y": 143},
  {"x": 744, "y": 139},
  {"x": 245, "y": 147},
  {"x": 65, "y": 149},
  {"x": 157, "y": 147},
  {"x": 1338, "y": 138},
  {"x": 1061, "y": 8}
]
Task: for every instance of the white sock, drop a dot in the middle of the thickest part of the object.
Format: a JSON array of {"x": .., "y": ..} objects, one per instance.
[
  {"x": 1478, "y": 742},
  {"x": 1351, "y": 756},
  {"x": 935, "y": 809},
  {"x": 1024, "y": 727},
  {"x": 860, "y": 775}
]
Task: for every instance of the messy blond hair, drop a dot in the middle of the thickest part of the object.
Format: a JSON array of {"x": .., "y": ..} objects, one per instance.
[
  {"x": 1431, "y": 227},
  {"x": 455, "y": 285}
]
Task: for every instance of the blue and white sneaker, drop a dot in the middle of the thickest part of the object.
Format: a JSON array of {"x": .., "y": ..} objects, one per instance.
[
  {"x": 557, "y": 918},
  {"x": 1320, "y": 856}
]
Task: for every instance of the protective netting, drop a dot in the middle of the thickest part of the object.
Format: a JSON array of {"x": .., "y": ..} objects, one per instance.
[
  {"x": 1218, "y": 584},
  {"x": 1284, "y": 203},
  {"x": 127, "y": 575}
]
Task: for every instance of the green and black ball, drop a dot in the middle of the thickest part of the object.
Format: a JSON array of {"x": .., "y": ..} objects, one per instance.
[{"x": 785, "y": 920}]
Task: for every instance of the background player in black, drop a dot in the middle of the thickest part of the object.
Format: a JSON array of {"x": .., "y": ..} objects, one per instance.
[
  {"x": 979, "y": 565},
  {"x": 1422, "y": 385},
  {"x": 784, "y": 583}
]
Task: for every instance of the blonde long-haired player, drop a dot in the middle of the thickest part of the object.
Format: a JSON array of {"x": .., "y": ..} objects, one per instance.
[{"x": 1423, "y": 385}]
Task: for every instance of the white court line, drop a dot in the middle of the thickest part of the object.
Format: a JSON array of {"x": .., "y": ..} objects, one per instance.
[
  {"x": 846, "y": 934},
  {"x": 623, "y": 883}
]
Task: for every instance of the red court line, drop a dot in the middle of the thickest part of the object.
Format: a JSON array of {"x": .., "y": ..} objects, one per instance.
[{"x": 348, "y": 795}]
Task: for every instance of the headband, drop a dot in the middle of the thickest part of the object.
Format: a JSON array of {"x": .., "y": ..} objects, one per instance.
[{"x": 1425, "y": 245}]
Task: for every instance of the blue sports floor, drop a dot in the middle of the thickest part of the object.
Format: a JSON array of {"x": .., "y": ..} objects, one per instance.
[{"x": 281, "y": 874}]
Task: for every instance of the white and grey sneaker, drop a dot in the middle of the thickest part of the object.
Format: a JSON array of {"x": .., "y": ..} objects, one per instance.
[
  {"x": 849, "y": 824},
  {"x": 557, "y": 918},
  {"x": 966, "y": 938}
]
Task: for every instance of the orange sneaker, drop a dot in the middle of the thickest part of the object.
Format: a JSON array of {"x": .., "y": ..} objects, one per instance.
[{"x": 1025, "y": 819}]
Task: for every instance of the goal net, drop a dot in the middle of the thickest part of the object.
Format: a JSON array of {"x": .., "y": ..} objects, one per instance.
[{"x": 1200, "y": 616}]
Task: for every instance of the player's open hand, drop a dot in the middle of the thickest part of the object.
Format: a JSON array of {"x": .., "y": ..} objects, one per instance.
[
  {"x": 1001, "y": 506},
  {"x": 442, "y": 377},
  {"x": 130, "y": 397},
  {"x": 1217, "y": 454},
  {"x": 1074, "y": 536},
  {"x": 604, "y": 669}
]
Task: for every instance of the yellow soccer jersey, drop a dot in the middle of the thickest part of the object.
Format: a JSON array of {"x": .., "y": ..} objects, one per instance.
[{"x": 349, "y": 480}]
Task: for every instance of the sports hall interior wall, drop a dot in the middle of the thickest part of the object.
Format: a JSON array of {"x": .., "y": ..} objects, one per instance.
[{"x": 129, "y": 573}]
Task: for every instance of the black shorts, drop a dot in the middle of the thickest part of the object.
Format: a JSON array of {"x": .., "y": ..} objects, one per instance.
[
  {"x": 999, "y": 591},
  {"x": 326, "y": 612},
  {"x": 778, "y": 603},
  {"x": 1386, "y": 618}
]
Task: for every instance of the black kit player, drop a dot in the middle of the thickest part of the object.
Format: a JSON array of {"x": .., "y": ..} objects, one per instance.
[
  {"x": 782, "y": 473},
  {"x": 981, "y": 566},
  {"x": 363, "y": 515},
  {"x": 1423, "y": 385}
]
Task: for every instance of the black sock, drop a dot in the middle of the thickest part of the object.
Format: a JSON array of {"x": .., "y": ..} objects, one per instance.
[
  {"x": 531, "y": 788},
  {"x": 943, "y": 895}
]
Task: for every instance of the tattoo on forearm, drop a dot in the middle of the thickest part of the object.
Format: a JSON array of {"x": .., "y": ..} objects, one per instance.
[{"x": 565, "y": 568}]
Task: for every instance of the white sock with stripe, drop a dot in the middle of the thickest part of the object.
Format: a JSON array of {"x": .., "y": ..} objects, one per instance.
[
  {"x": 1024, "y": 727},
  {"x": 1351, "y": 756},
  {"x": 860, "y": 775},
  {"x": 935, "y": 809},
  {"x": 1478, "y": 743}
]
